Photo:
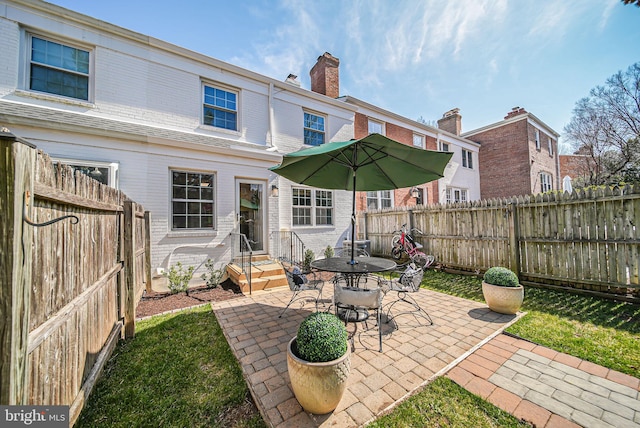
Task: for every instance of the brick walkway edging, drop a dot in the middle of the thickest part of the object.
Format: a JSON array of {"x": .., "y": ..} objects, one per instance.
[{"x": 492, "y": 371}]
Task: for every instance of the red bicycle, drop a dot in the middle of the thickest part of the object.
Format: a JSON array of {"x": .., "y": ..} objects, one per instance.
[{"x": 404, "y": 245}]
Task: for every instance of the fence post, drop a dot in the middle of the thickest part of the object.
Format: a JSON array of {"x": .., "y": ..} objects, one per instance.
[
  {"x": 514, "y": 237},
  {"x": 147, "y": 250},
  {"x": 18, "y": 160},
  {"x": 129, "y": 257}
]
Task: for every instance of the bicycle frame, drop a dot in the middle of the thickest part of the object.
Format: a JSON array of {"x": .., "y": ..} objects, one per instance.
[{"x": 403, "y": 243}]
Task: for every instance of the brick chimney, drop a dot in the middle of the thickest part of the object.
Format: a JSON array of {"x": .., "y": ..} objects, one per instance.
[
  {"x": 451, "y": 121},
  {"x": 325, "y": 77},
  {"x": 516, "y": 111}
]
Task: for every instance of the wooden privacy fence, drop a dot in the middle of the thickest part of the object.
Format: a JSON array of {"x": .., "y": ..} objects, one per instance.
[
  {"x": 588, "y": 240},
  {"x": 74, "y": 259}
]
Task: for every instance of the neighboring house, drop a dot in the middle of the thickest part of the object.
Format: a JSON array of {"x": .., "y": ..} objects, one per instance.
[
  {"x": 577, "y": 166},
  {"x": 461, "y": 179},
  {"x": 188, "y": 136},
  {"x": 518, "y": 156}
]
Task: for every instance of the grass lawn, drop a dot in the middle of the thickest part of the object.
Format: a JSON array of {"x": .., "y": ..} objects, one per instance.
[{"x": 178, "y": 371}]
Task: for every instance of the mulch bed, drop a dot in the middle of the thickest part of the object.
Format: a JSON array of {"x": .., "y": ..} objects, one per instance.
[{"x": 154, "y": 303}]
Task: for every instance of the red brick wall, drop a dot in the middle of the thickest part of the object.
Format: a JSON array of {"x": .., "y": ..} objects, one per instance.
[
  {"x": 575, "y": 166},
  {"x": 504, "y": 161}
]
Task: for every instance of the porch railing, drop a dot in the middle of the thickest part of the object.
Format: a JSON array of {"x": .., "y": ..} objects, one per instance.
[
  {"x": 288, "y": 246},
  {"x": 241, "y": 254}
]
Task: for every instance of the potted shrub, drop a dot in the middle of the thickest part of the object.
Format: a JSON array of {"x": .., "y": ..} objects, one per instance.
[
  {"x": 319, "y": 362},
  {"x": 502, "y": 290}
]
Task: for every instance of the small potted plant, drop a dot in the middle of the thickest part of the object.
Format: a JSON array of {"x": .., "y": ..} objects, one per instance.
[
  {"x": 319, "y": 362},
  {"x": 502, "y": 290},
  {"x": 309, "y": 256}
]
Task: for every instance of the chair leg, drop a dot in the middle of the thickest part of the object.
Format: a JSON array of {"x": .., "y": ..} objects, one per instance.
[{"x": 404, "y": 297}]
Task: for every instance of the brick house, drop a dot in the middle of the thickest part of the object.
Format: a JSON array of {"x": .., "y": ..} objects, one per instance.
[
  {"x": 518, "y": 156},
  {"x": 461, "y": 179}
]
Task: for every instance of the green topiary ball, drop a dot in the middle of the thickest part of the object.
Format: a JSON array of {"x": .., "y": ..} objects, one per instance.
[
  {"x": 321, "y": 337},
  {"x": 498, "y": 275}
]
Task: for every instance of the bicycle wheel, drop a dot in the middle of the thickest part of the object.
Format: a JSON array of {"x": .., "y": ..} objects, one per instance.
[{"x": 396, "y": 252}]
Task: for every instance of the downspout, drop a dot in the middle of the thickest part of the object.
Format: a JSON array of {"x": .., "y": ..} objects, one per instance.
[{"x": 270, "y": 134}]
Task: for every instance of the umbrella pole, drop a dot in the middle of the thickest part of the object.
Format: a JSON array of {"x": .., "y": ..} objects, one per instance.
[{"x": 353, "y": 220}]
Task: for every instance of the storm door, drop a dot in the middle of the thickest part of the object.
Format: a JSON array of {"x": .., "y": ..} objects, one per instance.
[{"x": 251, "y": 212}]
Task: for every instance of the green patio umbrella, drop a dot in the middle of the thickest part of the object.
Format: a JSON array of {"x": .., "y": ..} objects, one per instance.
[{"x": 374, "y": 162}]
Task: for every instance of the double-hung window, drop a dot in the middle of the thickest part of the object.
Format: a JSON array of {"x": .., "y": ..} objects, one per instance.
[
  {"x": 312, "y": 207},
  {"x": 550, "y": 145},
  {"x": 375, "y": 127},
  {"x": 220, "y": 108},
  {"x": 467, "y": 159},
  {"x": 192, "y": 200},
  {"x": 545, "y": 182},
  {"x": 379, "y": 199},
  {"x": 444, "y": 147},
  {"x": 313, "y": 129},
  {"x": 418, "y": 140},
  {"x": 456, "y": 195},
  {"x": 537, "y": 139},
  {"x": 58, "y": 69}
]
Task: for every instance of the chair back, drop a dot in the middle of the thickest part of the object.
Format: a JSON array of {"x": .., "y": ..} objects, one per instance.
[
  {"x": 411, "y": 277},
  {"x": 295, "y": 277},
  {"x": 359, "y": 297}
]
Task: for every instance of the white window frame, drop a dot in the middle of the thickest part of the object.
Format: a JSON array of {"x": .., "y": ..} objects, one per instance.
[
  {"x": 188, "y": 200},
  {"x": 456, "y": 194},
  {"x": 546, "y": 182},
  {"x": 323, "y": 132},
  {"x": 550, "y": 145},
  {"x": 203, "y": 104},
  {"x": 537, "y": 139},
  {"x": 378, "y": 197},
  {"x": 373, "y": 125},
  {"x": 111, "y": 167},
  {"x": 26, "y": 83},
  {"x": 419, "y": 139},
  {"x": 311, "y": 210},
  {"x": 467, "y": 159},
  {"x": 444, "y": 147}
]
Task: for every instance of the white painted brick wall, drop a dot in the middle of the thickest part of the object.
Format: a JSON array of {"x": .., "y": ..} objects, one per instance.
[{"x": 9, "y": 48}]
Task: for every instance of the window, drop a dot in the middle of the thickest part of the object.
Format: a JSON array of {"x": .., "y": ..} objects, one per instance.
[
  {"x": 456, "y": 195},
  {"x": 313, "y": 129},
  {"x": 311, "y": 207},
  {"x": 220, "y": 108},
  {"x": 418, "y": 141},
  {"x": 379, "y": 200},
  {"x": 550, "y": 145},
  {"x": 537, "y": 139},
  {"x": 192, "y": 200},
  {"x": 58, "y": 69},
  {"x": 104, "y": 172},
  {"x": 420, "y": 200},
  {"x": 375, "y": 127},
  {"x": 444, "y": 147},
  {"x": 467, "y": 159},
  {"x": 545, "y": 182},
  {"x": 324, "y": 207}
]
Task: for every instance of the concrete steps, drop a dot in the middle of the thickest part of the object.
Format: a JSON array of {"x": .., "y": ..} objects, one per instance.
[{"x": 265, "y": 274}]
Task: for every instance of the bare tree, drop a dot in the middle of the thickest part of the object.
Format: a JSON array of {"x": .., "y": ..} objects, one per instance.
[{"x": 605, "y": 127}]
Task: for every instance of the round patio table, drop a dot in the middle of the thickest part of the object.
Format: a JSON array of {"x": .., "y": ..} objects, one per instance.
[{"x": 361, "y": 266}]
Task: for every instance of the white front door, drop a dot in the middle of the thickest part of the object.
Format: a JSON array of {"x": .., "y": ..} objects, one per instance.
[{"x": 251, "y": 212}]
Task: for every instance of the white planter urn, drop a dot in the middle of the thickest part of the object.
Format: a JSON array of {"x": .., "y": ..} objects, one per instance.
[
  {"x": 318, "y": 387},
  {"x": 504, "y": 300}
]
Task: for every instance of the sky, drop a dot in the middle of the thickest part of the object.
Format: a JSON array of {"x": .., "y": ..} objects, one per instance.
[{"x": 416, "y": 58}]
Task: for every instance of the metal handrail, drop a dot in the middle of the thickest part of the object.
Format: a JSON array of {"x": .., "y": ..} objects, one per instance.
[
  {"x": 240, "y": 244},
  {"x": 288, "y": 246}
]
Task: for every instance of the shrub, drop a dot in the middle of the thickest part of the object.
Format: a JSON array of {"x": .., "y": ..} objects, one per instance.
[
  {"x": 179, "y": 278},
  {"x": 213, "y": 276},
  {"x": 309, "y": 256},
  {"x": 328, "y": 252},
  {"x": 321, "y": 337},
  {"x": 498, "y": 275}
]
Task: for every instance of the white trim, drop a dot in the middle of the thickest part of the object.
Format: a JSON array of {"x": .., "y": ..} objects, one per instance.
[{"x": 112, "y": 166}]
